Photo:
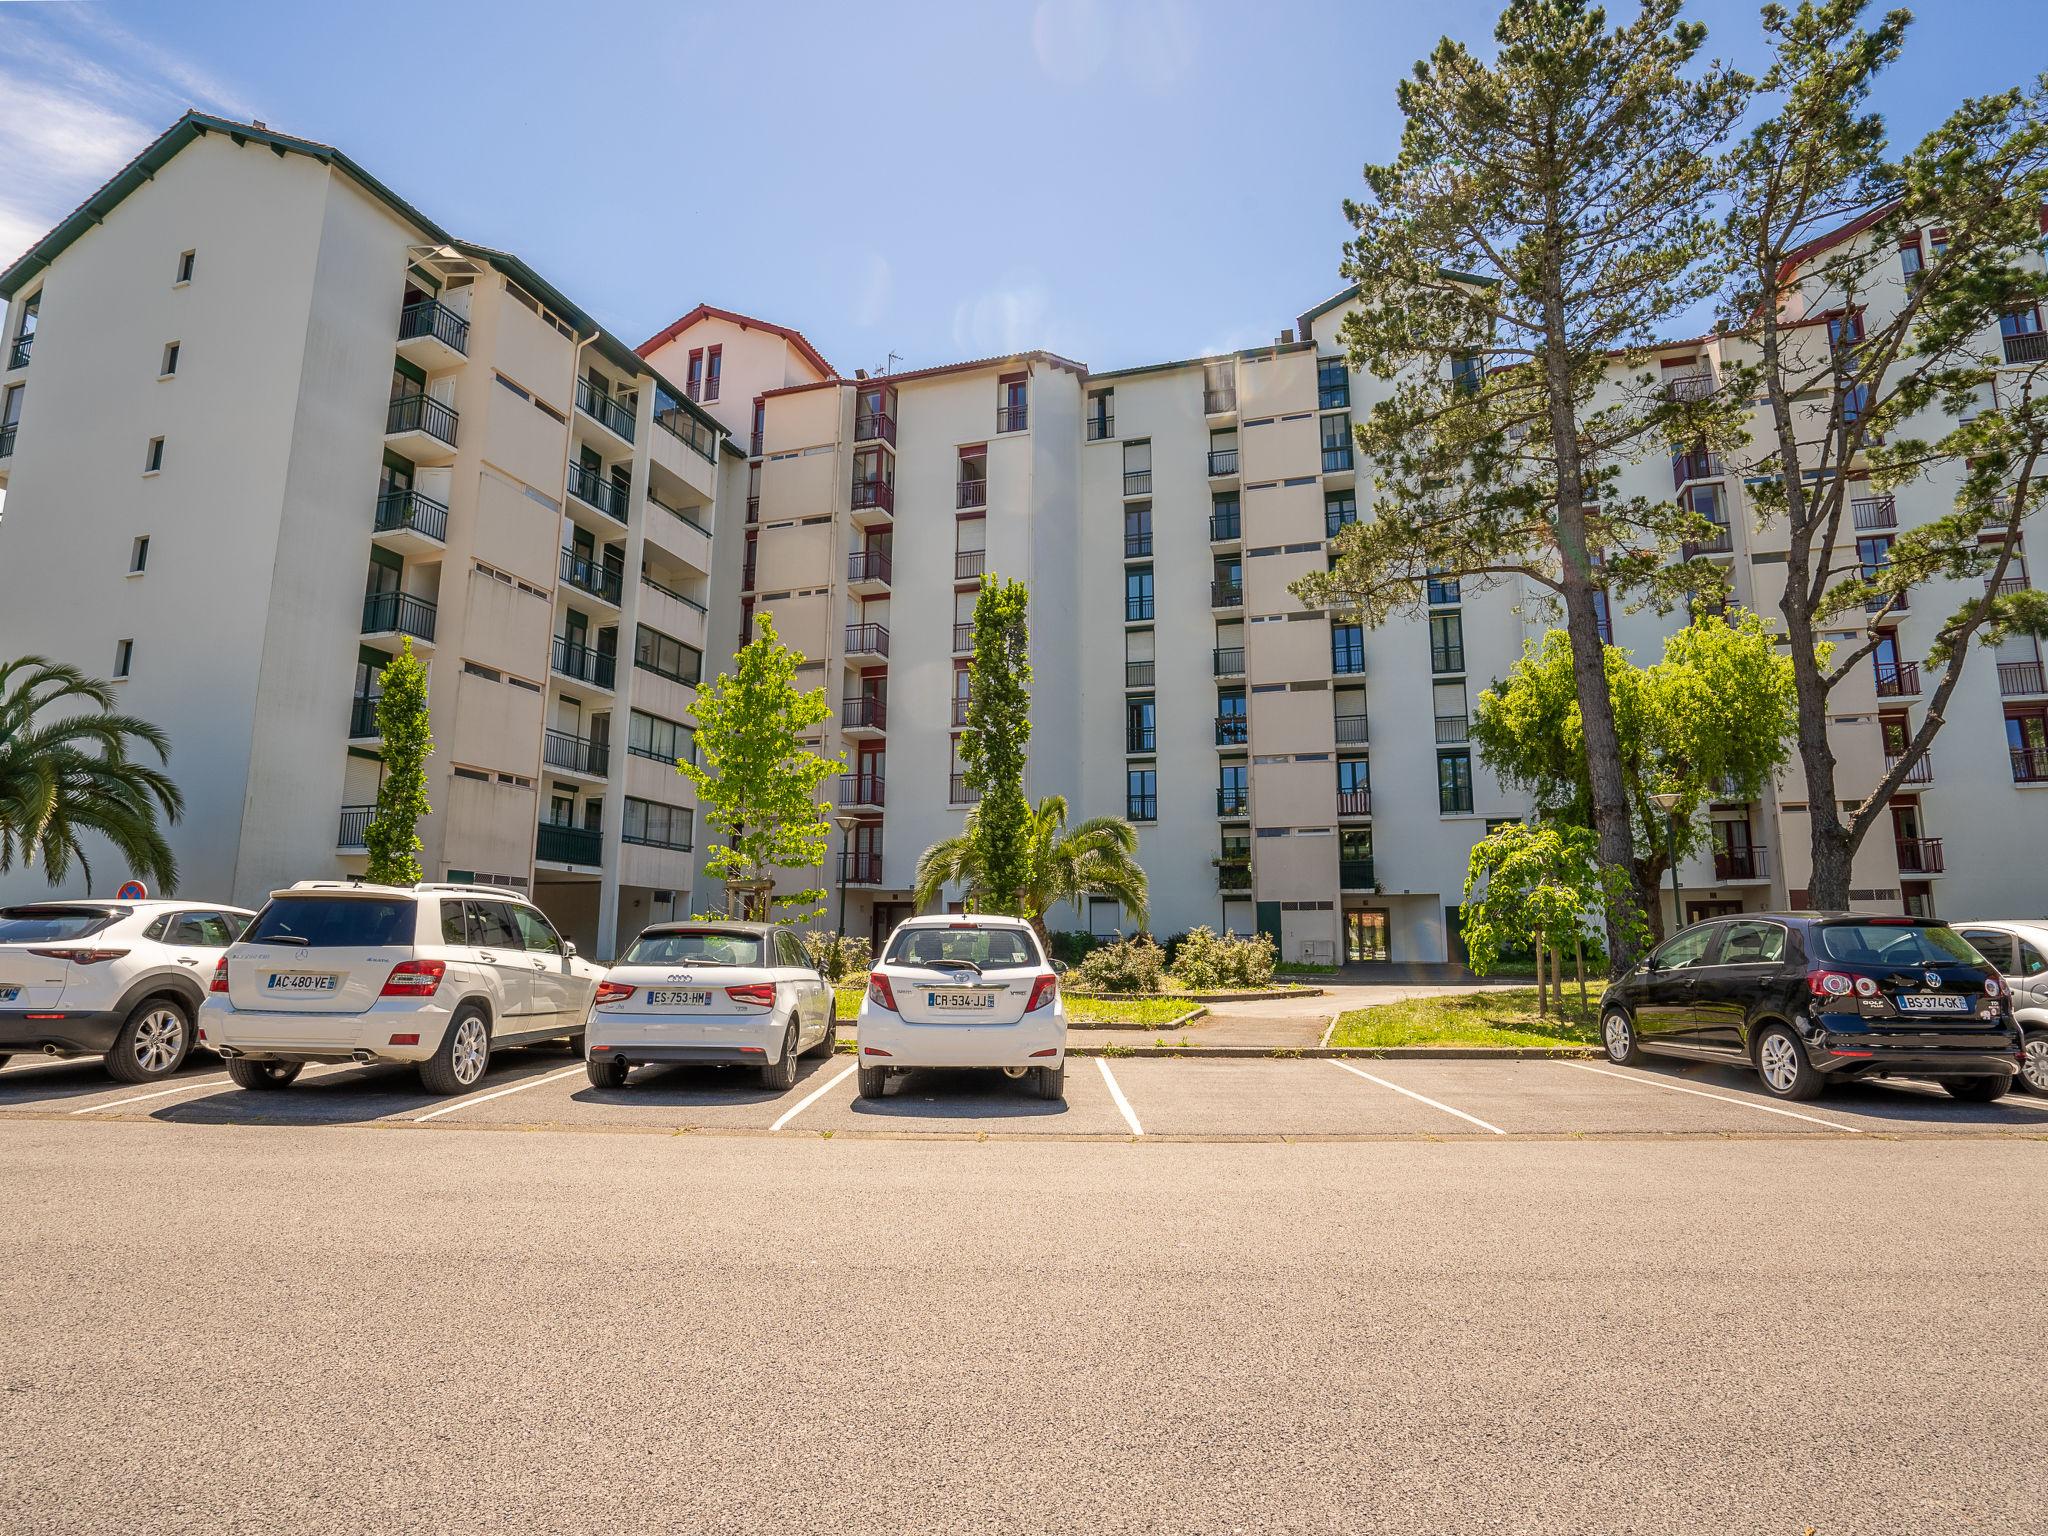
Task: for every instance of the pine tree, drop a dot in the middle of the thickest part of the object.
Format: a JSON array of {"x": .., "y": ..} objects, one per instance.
[{"x": 392, "y": 836}]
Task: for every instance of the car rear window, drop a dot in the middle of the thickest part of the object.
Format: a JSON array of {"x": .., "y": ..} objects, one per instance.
[
  {"x": 1896, "y": 944},
  {"x": 699, "y": 946},
  {"x": 989, "y": 948},
  {"x": 37, "y": 925},
  {"x": 334, "y": 922}
]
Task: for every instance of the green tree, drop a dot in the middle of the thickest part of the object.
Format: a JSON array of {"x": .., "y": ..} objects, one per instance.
[
  {"x": 1545, "y": 220},
  {"x": 1097, "y": 858},
  {"x": 1540, "y": 883},
  {"x": 992, "y": 749},
  {"x": 1856, "y": 393},
  {"x": 392, "y": 836},
  {"x": 1713, "y": 720},
  {"x": 757, "y": 782},
  {"x": 64, "y": 777}
]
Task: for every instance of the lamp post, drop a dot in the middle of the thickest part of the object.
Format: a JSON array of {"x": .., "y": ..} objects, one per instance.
[
  {"x": 1668, "y": 804},
  {"x": 847, "y": 821}
]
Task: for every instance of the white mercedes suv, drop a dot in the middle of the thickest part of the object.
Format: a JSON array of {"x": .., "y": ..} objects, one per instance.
[
  {"x": 435, "y": 975},
  {"x": 119, "y": 979},
  {"x": 964, "y": 991}
]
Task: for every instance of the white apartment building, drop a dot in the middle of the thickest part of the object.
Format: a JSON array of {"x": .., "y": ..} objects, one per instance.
[{"x": 265, "y": 423}]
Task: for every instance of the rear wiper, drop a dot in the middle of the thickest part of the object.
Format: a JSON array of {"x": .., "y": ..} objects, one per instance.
[
  {"x": 284, "y": 938},
  {"x": 965, "y": 965}
]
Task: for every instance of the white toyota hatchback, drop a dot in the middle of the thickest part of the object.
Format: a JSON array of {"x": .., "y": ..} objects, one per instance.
[
  {"x": 435, "y": 975},
  {"x": 730, "y": 994},
  {"x": 964, "y": 990}
]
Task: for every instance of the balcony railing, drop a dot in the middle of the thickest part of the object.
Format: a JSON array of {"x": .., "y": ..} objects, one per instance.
[
  {"x": 1233, "y": 876},
  {"x": 1233, "y": 800},
  {"x": 1335, "y": 459},
  {"x": 1224, "y": 527},
  {"x": 973, "y": 493},
  {"x": 422, "y": 413},
  {"x": 1141, "y": 738},
  {"x": 1750, "y": 863},
  {"x": 860, "y": 866},
  {"x": 874, "y": 493},
  {"x": 1139, "y": 674},
  {"x": 1137, "y": 606},
  {"x": 1447, "y": 658},
  {"x": 679, "y": 423},
  {"x": 2005, "y": 586},
  {"x": 1351, "y": 730},
  {"x": 867, "y": 640},
  {"x": 17, "y": 355},
  {"x": 1141, "y": 807},
  {"x": 1920, "y": 856},
  {"x": 362, "y": 718},
  {"x": 430, "y": 317},
  {"x": 2030, "y": 765},
  {"x": 754, "y": 444},
  {"x": 1347, "y": 660},
  {"x": 2021, "y": 677},
  {"x": 1354, "y": 874},
  {"x": 1138, "y": 546},
  {"x": 576, "y": 754},
  {"x": 874, "y": 427},
  {"x": 963, "y": 638},
  {"x": 1922, "y": 771},
  {"x": 863, "y": 712},
  {"x": 604, "y": 410},
  {"x": 670, "y": 592},
  {"x": 960, "y": 711},
  {"x": 2027, "y": 347},
  {"x": 969, "y": 563},
  {"x": 1354, "y": 802},
  {"x": 585, "y": 663},
  {"x": 868, "y": 565},
  {"x": 1228, "y": 660},
  {"x": 591, "y": 486},
  {"x": 1898, "y": 679},
  {"x": 860, "y": 789},
  {"x": 1333, "y": 392},
  {"x": 957, "y": 792},
  {"x": 1012, "y": 418},
  {"x": 1226, "y": 594},
  {"x": 400, "y": 511},
  {"x": 753, "y": 510},
  {"x": 1222, "y": 461},
  {"x": 1696, "y": 465},
  {"x": 747, "y": 577},
  {"x": 1231, "y": 730},
  {"x": 398, "y": 612},
  {"x": 560, "y": 844},
  {"x": 1716, "y": 543},
  {"x": 1216, "y": 402},
  {"x": 1137, "y": 482},
  {"x": 7, "y": 440},
  {"x": 1875, "y": 511},
  {"x": 1101, "y": 428},
  {"x": 593, "y": 576},
  {"x": 355, "y": 822},
  {"x": 1689, "y": 386},
  {"x": 1452, "y": 729}
]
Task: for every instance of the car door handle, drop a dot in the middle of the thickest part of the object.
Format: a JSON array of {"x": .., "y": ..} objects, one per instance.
[
  {"x": 485, "y": 954},
  {"x": 540, "y": 965},
  {"x": 187, "y": 960}
]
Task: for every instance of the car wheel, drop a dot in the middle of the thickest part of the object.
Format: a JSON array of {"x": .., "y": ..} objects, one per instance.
[
  {"x": 463, "y": 1058},
  {"x": 1050, "y": 1082},
  {"x": 829, "y": 1042},
  {"x": 2033, "y": 1062},
  {"x": 1976, "y": 1090},
  {"x": 1781, "y": 1062},
  {"x": 153, "y": 1042},
  {"x": 607, "y": 1071},
  {"x": 263, "y": 1075},
  {"x": 873, "y": 1082},
  {"x": 782, "y": 1074},
  {"x": 1618, "y": 1036}
]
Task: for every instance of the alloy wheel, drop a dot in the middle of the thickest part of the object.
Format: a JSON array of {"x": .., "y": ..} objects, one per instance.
[
  {"x": 1615, "y": 1032},
  {"x": 1778, "y": 1061},
  {"x": 468, "y": 1056},
  {"x": 158, "y": 1039},
  {"x": 2034, "y": 1063}
]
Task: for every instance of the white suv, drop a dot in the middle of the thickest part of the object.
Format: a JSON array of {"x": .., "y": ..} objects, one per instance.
[
  {"x": 2019, "y": 949},
  {"x": 436, "y": 975},
  {"x": 119, "y": 979}
]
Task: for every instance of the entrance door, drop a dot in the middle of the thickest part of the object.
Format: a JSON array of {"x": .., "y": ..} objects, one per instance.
[{"x": 1365, "y": 935}]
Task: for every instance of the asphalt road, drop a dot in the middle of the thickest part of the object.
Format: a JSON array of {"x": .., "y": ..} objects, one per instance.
[{"x": 326, "y": 1327}]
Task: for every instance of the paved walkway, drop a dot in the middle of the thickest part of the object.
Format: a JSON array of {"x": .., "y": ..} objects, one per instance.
[{"x": 1294, "y": 1023}]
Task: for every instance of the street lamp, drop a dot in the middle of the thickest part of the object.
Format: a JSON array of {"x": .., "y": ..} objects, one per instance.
[
  {"x": 847, "y": 822},
  {"x": 1668, "y": 804}
]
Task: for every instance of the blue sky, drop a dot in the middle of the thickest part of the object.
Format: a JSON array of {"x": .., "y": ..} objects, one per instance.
[{"x": 1123, "y": 181}]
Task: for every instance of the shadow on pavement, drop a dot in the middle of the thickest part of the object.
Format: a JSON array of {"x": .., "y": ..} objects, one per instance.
[
  {"x": 55, "y": 1080},
  {"x": 958, "y": 1096},
  {"x": 698, "y": 1087},
  {"x": 1903, "y": 1100},
  {"x": 354, "y": 1095}
]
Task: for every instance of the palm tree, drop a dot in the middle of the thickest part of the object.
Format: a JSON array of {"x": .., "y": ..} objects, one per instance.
[
  {"x": 63, "y": 778},
  {"x": 1097, "y": 858}
]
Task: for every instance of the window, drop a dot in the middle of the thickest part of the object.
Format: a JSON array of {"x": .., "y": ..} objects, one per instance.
[
  {"x": 1333, "y": 384},
  {"x": 1354, "y": 776},
  {"x": 1466, "y": 373},
  {"x": 187, "y": 261},
  {"x": 666, "y": 657},
  {"x": 1910, "y": 265},
  {"x": 713, "y": 367},
  {"x": 1446, "y": 642},
  {"x": 654, "y": 825},
  {"x": 1752, "y": 944},
  {"x": 537, "y": 932},
  {"x": 1138, "y": 531},
  {"x": 1347, "y": 648},
  {"x": 138, "y": 555},
  {"x": 1138, "y": 467},
  {"x": 1443, "y": 589},
  {"x": 337, "y": 922},
  {"x": 170, "y": 365},
  {"x": 1689, "y": 950},
  {"x": 1233, "y": 796},
  {"x": 1011, "y": 414},
  {"x": 492, "y": 926},
  {"x": 1603, "y": 616},
  {"x": 124, "y": 657},
  {"x": 1454, "y": 782},
  {"x": 1141, "y": 794},
  {"x": 1138, "y": 592},
  {"x": 1340, "y": 510},
  {"x": 693, "y": 381},
  {"x": 153, "y": 459},
  {"x": 1337, "y": 442},
  {"x": 1224, "y": 522},
  {"x": 1140, "y": 725},
  {"x": 1101, "y": 414}
]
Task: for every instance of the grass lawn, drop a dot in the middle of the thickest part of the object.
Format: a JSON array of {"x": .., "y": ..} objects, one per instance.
[
  {"x": 1089, "y": 1010},
  {"x": 1472, "y": 1018}
]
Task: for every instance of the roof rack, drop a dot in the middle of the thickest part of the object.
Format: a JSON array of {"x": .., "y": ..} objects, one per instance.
[{"x": 496, "y": 892}]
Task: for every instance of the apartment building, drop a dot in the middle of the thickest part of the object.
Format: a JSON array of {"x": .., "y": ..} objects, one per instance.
[{"x": 265, "y": 424}]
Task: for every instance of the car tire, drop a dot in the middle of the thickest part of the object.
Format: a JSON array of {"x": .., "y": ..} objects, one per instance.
[
  {"x": 2033, "y": 1058},
  {"x": 463, "y": 1057},
  {"x": 1618, "y": 1039},
  {"x": 781, "y": 1075},
  {"x": 1050, "y": 1082},
  {"x": 153, "y": 1041},
  {"x": 829, "y": 1041},
  {"x": 1781, "y": 1063},
  {"x": 873, "y": 1082},
  {"x": 607, "y": 1071},
  {"x": 263, "y": 1076},
  {"x": 1977, "y": 1090}
]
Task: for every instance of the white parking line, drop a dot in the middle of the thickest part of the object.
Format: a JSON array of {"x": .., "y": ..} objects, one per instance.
[
  {"x": 1725, "y": 1098},
  {"x": 812, "y": 1097},
  {"x": 485, "y": 1098},
  {"x": 1432, "y": 1103},
  {"x": 161, "y": 1093},
  {"x": 1123, "y": 1104}
]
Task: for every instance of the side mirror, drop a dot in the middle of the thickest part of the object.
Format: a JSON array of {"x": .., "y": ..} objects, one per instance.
[
  {"x": 1059, "y": 967},
  {"x": 568, "y": 949}
]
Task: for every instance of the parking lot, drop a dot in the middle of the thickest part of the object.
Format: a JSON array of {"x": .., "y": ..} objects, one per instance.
[{"x": 1156, "y": 1098}]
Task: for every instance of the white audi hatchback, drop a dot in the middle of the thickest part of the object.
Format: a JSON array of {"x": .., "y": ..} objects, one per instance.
[
  {"x": 435, "y": 975},
  {"x": 964, "y": 990},
  {"x": 727, "y": 994}
]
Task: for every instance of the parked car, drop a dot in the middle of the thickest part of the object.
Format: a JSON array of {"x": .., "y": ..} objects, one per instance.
[
  {"x": 2020, "y": 951},
  {"x": 436, "y": 975},
  {"x": 119, "y": 979},
  {"x": 964, "y": 990},
  {"x": 1809, "y": 998},
  {"x": 730, "y": 994}
]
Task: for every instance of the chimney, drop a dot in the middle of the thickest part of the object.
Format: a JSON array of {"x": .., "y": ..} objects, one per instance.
[
  {"x": 860, "y": 373},
  {"x": 1287, "y": 338}
]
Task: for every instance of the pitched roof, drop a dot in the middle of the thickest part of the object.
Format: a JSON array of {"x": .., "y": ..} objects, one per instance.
[
  {"x": 789, "y": 334},
  {"x": 1799, "y": 256}
]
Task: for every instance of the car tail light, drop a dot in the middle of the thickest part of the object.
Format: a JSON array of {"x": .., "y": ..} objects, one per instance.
[
  {"x": 405, "y": 1039},
  {"x": 220, "y": 976},
  {"x": 1050, "y": 1050},
  {"x": 1829, "y": 983},
  {"x": 415, "y": 978},
  {"x": 613, "y": 992},
  {"x": 1865, "y": 987},
  {"x": 878, "y": 989},
  {"x": 1045, "y": 989},
  {"x": 873, "y": 1050},
  {"x": 758, "y": 994},
  {"x": 80, "y": 956}
]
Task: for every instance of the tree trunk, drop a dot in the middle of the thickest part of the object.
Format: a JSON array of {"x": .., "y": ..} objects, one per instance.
[
  {"x": 1582, "y": 974},
  {"x": 1542, "y": 1008}
]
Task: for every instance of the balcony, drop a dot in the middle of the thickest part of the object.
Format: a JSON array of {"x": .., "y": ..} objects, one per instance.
[
  {"x": 1226, "y": 594},
  {"x": 754, "y": 444},
  {"x": 868, "y": 572},
  {"x": 957, "y": 792},
  {"x": 355, "y": 823},
  {"x": 1139, "y": 674},
  {"x": 860, "y": 791},
  {"x": 604, "y": 410},
  {"x": 1354, "y": 874},
  {"x": 1347, "y": 660},
  {"x": 17, "y": 355},
  {"x": 1219, "y": 402},
  {"x": 867, "y": 640},
  {"x": 1232, "y": 730},
  {"x": 860, "y": 866},
  {"x": 1233, "y": 875},
  {"x": 1222, "y": 463},
  {"x": 960, "y": 711},
  {"x": 874, "y": 501},
  {"x": 1233, "y": 800},
  {"x": 1354, "y": 802},
  {"x": 1922, "y": 772},
  {"x": 594, "y": 489},
  {"x": 2021, "y": 678},
  {"x": 1141, "y": 808},
  {"x": 2030, "y": 765},
  {"x": 603, "y": 582},
  {"x": 584, "y": 663},
  {"x": 1874, "y": 512},
  {"x": 562, "y": 844},
  {"x": 1717, "y": 543},
  {"x": 1336, "y": 460},
  {"x": 1736, "y": 864},
  {"x": 1447, "y": 658},
  {"x": 963, "y": 639},
  {"x": 968, "y": 564},
  {"x": 685, "y": 427},
  {"x": 410, "y": 523},
  {"x": 1228, "y": 660},
  {"x": 2027, "y": 347},
  {"x": 1452, "y": 730},
  {"x": 432, "y": 335},
  {"x": 1141, "y": 739},
  {"x": 679, "y": 534},
  {"x": 1101, "y": 428},
  {"x": 753, "y": 510},
  {"x": 571, "y": 753},
  {"x": 362, "y": 718},
  {"x": 399, "y": 613},
  {"x": 2005, "y": 586},
  {"x": 1012, "y": 418},
  {"x": 1689, "y": 386},
  {"x": 1137, "y": 482},
  {"x": 7, "y": 440},
  {"x": 1901, "y": 679},
  {"x": 1920, "y": 856},
  {"x": 873, "y": 427},
  {"x": 1333, "y": 389},
  {"x": 421, "y": 428},
  {"x": 747, "y": 577},
  {"x": 1351, "y": 731},
  {"x": 1225, "y": 527},
  {"x": 1138, "y": 546},
  {"x": 1696, "y": 465},
  {"x": 972, "y": 493},
  {"x": 864, "y": 714}
]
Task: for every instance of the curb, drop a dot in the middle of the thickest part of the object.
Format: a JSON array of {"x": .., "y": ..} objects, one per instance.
[
  {"x": 1352, "y": 1052},
  {"x": 1270, "y": 996},
  {"x": 1177, "y": 1023}
]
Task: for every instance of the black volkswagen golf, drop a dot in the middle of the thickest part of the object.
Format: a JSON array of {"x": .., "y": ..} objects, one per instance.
[{"x": 1809, "y": 998}]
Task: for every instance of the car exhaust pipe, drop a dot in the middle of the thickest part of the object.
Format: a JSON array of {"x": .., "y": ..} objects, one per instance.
[
  {"x": 1013, "y": 1073},
  {"x": 361, "y": 1058},
  {"x": 49, "y": 1050},
  {"x": 226, "y": 1052}
]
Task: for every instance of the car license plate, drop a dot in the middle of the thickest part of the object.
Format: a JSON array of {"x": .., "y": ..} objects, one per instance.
[
  {"x": 1933, "y": 1002},
  {"x": 659, "y": 999},
  {"x": 9, "y": 994},
  {"x": 965, "y": 1002},
  {"x": 303, "y": 981}
]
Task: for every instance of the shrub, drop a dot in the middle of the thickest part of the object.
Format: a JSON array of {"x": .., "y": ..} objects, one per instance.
[
  {"x": 1074, "y": 945},
  {"x": 839, "y": 955},
  {"x": 1203, "y": 959},
  {"x": 1126, "y": 965}
]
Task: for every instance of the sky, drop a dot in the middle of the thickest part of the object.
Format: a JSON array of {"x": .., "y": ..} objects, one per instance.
[{"x": 1120, "y": 181}]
